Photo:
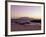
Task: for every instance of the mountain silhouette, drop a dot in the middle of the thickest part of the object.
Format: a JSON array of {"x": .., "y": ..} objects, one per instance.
[{"x": 25, "y": 20}]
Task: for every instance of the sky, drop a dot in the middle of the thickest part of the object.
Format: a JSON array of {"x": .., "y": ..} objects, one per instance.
[{"x": 18, "y": 11}]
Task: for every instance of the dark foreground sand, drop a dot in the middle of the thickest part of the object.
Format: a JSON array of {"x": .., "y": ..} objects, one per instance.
[{"x": 18, "y": 27}]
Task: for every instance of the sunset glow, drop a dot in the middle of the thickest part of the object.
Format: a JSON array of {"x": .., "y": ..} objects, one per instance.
[{"x": 18, "y": 11}]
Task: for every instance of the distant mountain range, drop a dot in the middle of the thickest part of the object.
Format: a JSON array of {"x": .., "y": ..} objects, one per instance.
[{"x": 24, "y": 20}]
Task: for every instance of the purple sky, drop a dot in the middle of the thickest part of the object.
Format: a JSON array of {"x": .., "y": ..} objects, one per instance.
[{"x": 18, "y": 11}]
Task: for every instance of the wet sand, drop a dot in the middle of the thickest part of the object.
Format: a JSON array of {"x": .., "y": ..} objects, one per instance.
[{"x": 26, "y": 27}]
